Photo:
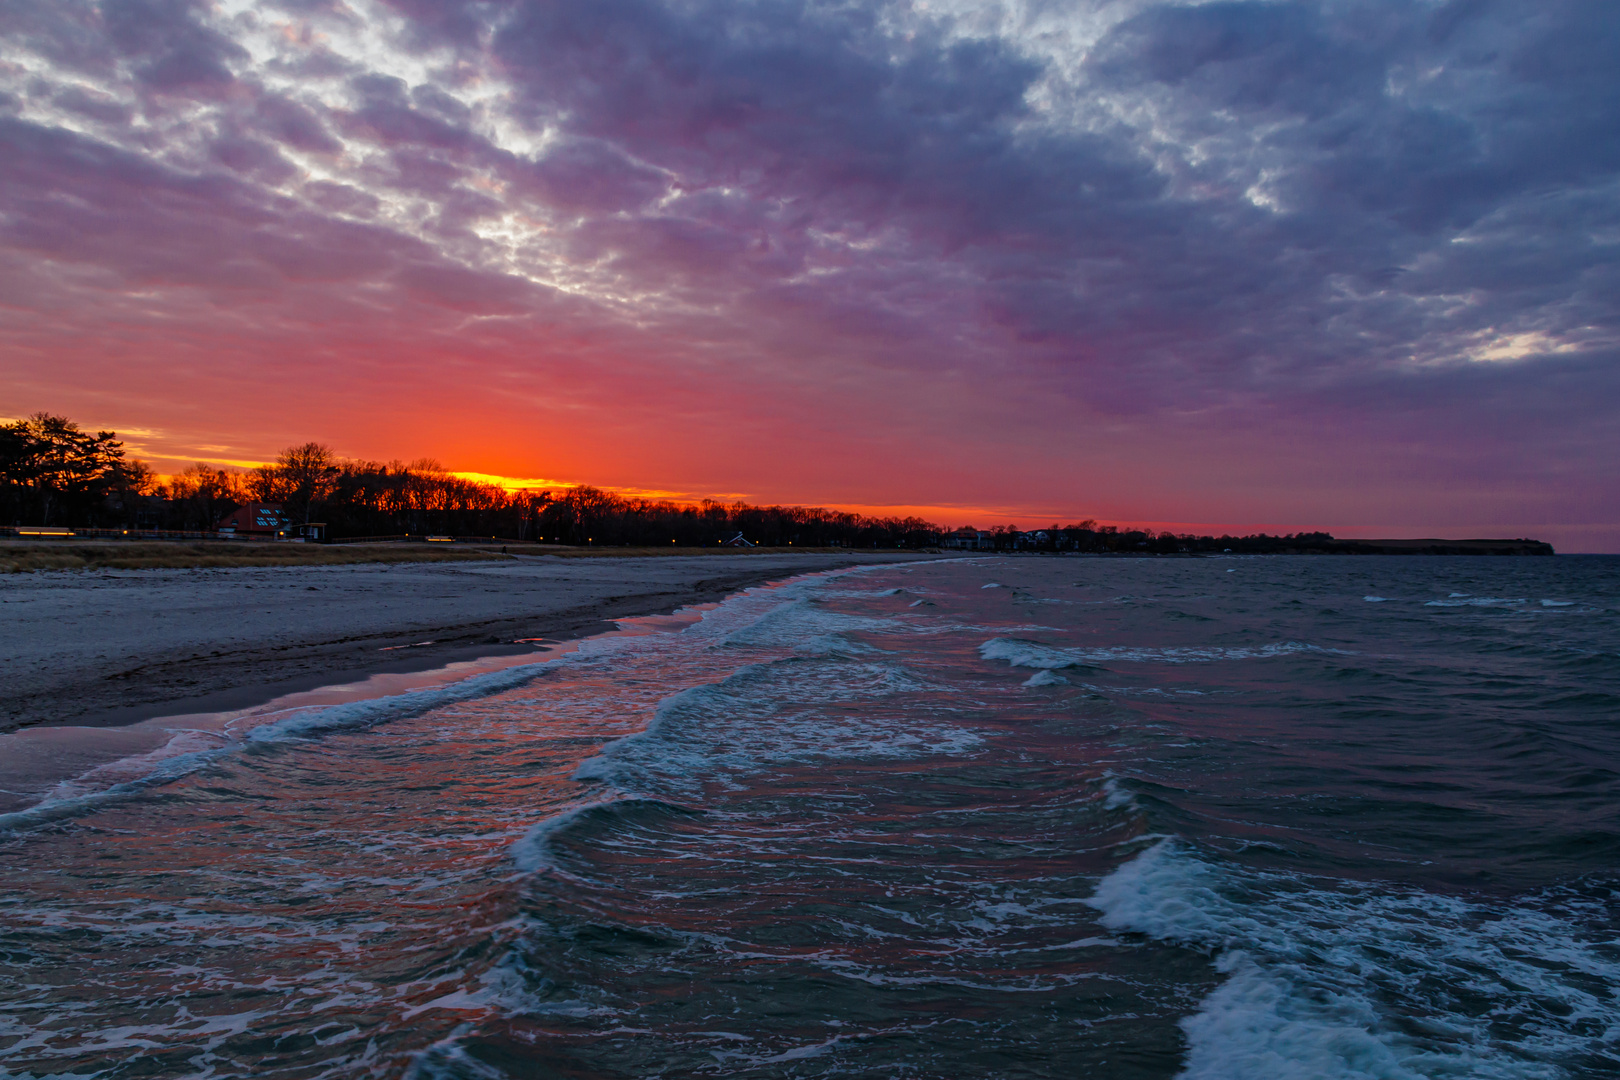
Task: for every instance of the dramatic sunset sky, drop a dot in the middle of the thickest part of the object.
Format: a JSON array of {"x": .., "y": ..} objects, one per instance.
[{"x": 1340, "y": 264}]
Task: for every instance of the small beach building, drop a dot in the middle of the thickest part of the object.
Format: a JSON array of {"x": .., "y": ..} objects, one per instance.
[
  {"x": 255, "y": 519},
  {"x": 968, "y": 538}
]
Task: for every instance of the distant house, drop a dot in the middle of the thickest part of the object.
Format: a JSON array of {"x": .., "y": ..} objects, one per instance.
[
  {"x": 968, "y": 538},
  {"x": 256, "y": 519},
  {"x": 739, "y": 541}
]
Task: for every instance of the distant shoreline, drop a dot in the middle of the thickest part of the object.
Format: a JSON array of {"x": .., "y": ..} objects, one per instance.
[
  {"x": 1494, "y": 548},
  {"x": 1434, "y": 546},
  {"x": 70, "y": 553}
]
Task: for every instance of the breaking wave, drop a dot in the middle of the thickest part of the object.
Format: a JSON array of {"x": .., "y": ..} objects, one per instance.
[{"x": 1353, "y": 981}]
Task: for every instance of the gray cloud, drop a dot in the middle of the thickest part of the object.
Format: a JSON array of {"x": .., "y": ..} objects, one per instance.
[{"x": 170, "y": 49}]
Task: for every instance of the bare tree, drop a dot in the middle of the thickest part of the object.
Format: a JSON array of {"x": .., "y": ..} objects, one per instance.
[
  {"x": 302, "y": 478},
  {"x": 202, "y": 495}
]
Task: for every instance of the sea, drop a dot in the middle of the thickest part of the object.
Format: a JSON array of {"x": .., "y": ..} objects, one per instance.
[{"x": 1227, "y": 817}]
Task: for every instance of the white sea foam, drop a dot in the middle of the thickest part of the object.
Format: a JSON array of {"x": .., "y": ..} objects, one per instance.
[
  {"x": 793, "y": 620},
  {"x": 759, "y": 612},
  {"x": 764, "y": 715},
  {"x": 447, "y": 1059},
  {"x": 1317, "y": 977},
  {"x": 1116, "y": 795},
  {"x": 129, "y": 776},
  {"x": 1558, "y": 603},
  {"x": 1464, "y": 600},
  {"x": 1376, "y": 599},
  {"x": 363, "y": 714},
  {"x": 1046, "y": 677},
  {"x": 1033, "y": 654}
]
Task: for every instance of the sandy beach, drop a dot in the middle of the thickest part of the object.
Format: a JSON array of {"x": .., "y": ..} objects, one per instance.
[{"x": 118, "y": 646}]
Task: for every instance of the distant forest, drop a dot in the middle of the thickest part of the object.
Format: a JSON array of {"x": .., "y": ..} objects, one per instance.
[{"x": 53, "y": 473}]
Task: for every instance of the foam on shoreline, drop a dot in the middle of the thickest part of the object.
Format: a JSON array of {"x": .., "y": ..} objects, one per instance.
[{"x": 193, "y": 741}]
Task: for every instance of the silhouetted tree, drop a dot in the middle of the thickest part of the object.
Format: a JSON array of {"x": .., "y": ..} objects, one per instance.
[
  {"x": 201, "y": 495},
  {"x": 53, "y": 472},
  {"x": 301, "y": 479}
]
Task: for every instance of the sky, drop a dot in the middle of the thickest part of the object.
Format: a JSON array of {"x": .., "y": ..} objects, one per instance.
[{"x": 1349, "y": 265}]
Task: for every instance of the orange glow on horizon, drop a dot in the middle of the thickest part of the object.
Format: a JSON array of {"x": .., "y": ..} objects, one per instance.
[
  {"x": 612, "y": 460},
  {"x": 532, "y": 483},
  {"x": 949, "y": 516}
]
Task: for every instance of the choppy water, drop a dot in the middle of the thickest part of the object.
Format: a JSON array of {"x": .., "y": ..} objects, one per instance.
[{"x": 1268, "y": 817}]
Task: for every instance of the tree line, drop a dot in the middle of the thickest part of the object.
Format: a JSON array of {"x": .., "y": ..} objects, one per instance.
[
  {"x": 1090, "y": 537},
  {"x": 53, "y": 473}
]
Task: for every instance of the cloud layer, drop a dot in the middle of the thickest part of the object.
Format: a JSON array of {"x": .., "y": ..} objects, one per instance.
[{"x": 1302, "y": 262}]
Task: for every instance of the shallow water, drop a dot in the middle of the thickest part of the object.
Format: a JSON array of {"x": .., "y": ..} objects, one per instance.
[{"x": 1292, "y": 817}]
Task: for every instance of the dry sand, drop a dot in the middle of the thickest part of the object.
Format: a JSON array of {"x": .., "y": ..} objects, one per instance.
[{"x": 118, "y": 646}]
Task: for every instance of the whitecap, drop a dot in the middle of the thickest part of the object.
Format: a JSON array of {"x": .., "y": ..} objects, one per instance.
[
  {"x": 1032, "y": 654},
  {"x": 766, "y": 714},
  {"x": 795, "y": 621},
  {"x": 1476, "y": 601},
  {"x": 1352, "y": 981},
  {"x": 1116, "y": 795},
  {"x": 1046, "y": 677}
]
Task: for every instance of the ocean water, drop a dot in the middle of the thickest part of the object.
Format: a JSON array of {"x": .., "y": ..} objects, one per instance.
[{"x": 1027, "y": 817}]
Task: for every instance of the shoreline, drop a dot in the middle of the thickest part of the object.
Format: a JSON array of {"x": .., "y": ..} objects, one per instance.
[{"x": 110, "y": 648}]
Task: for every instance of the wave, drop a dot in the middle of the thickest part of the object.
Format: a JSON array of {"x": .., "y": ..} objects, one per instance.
[
  {"x": 1476, "y": 601},
  {"x": 175, "y": 760},
  {"x": 1362, "y": 981},
  {"x": 795, "y": 621},
  {"x": 1046, "y": 677},
  {"x": 747, "y": 612},
  {"x": 536, "y": 850},
  {"x": 765, "y": 715},
  {"x": 1032, "y": 654}
]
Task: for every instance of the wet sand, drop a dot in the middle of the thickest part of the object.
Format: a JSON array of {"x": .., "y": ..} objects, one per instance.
[{"x": 109, "y": 647}]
